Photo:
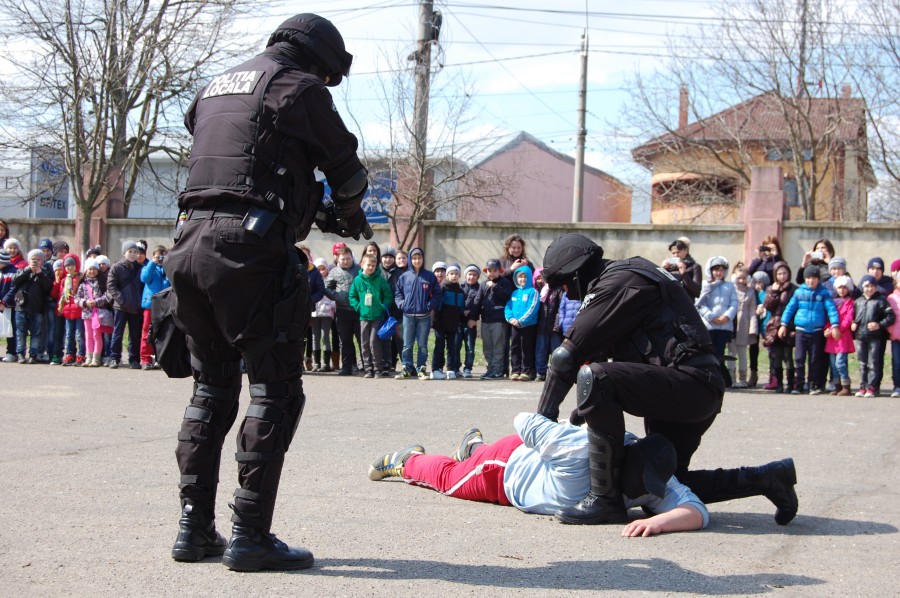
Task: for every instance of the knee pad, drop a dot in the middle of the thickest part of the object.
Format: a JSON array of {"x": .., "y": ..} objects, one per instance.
[
  {"x": 279, "y": 404},
  {"x": 206, "y": 422},
  {"x": 592, "y": 389}
]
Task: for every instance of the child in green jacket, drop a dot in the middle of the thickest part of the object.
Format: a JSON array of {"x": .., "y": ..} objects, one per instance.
[{"x": 369, "y": 296}]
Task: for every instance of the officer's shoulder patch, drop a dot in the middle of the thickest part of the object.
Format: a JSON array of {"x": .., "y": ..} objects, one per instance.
[
  {"x": 233, "y": 83},
  {"x": 587, "y": 301}
]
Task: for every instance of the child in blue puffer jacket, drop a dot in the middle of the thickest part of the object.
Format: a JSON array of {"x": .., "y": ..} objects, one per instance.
[
  {"x": 810, "y": 309},
  {"x": 522, "y": 314}
]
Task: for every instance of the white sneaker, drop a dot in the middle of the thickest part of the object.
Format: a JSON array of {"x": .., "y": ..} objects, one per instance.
[
  {"x": 739, "y": 384},
  {"x": 896, "y": 393},
  {"x": 451, "y": 375},
  {"x": 437, "y": 375},
  {"x": 467, "y": 373}
]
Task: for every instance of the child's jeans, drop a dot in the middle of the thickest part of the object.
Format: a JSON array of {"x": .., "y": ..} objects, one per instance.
[
  {"x": 147, "y": 350},
  {"x": 870, "y": 352},
  {"x": 895, "y": 363},
  {"x": 810, "y": 345},
  {"x": 839, "y": 365},
  {"x": 134, "y": 323},
  {"x": 469, "y": 336},
  {"x": 75, "y": 337},
  {"x": 25, "y": 323},
  {"x": 440, "y": 347},
  {"x": 521, "y": 354},
  {"x": 415, "y": 331}
]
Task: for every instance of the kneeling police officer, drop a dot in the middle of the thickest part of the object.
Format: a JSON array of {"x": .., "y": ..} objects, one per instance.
[
  {"x": 259, "y": 130},
  {"x": 663, "y": 369}
]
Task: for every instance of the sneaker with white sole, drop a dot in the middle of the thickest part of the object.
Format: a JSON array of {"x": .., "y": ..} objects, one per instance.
[
  {"x": 391, "y": 464},
  {"x": 451, "y": 375},
  {"x": 467, "y": 373},
  {"x": 423, "y": 375},
  {"x": 471, "y": 441},
  {"x": 871, "y": 392},
  {"x": 437, "y": 375},
  {"x": 896, "y": 393},
  {"x": 861, "y": 392}
]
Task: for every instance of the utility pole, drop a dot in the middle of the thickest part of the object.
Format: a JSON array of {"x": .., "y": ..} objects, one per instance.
[
  {"x": 422, "y": 57},
  {"x": 578, "y": 194}
]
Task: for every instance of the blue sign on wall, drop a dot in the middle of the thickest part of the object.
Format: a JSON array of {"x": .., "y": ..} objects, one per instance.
[{"x": 376, "y": 202}]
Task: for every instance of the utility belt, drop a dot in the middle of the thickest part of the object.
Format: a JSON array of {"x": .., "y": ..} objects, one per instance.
[
  {"x": 706, "y": 367},
  {"x": 255, "y": 219}
]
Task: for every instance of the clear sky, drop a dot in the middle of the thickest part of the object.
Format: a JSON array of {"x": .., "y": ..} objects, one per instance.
[{"x": 521, "y": 59}]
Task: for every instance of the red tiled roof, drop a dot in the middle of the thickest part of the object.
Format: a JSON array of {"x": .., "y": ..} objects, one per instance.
[{"x": 762, "y": 119}]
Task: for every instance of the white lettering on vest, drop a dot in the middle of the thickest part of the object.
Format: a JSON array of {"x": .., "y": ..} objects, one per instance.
[{"x": 235, "y": 83}]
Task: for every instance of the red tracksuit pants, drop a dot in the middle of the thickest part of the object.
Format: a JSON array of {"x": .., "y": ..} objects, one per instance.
[{"x": 479, "y": 478}]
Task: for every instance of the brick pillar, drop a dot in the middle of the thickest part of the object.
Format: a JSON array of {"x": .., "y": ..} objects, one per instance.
[
  {"x": 409, "y": 188},
  {"x": 112, "y": 206},
  {"x": 764, "y": 208}
]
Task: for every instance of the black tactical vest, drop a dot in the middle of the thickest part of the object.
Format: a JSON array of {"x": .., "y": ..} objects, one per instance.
[
  {"x": 238, "y": 150},
  {"x": 676, "y": 332}
]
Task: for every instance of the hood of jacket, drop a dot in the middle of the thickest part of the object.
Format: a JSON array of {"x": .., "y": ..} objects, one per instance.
[
  {"x": 782, "y": 264},
  {"x": 77, "y": 261},
  {"x": 528, "y": 277}
]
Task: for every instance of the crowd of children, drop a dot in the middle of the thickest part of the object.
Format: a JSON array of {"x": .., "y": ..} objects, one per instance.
[
  {"x": 809, "y": 327},
  {"x": 389, "y": 304},
  {"x": 63, "y": 312}
]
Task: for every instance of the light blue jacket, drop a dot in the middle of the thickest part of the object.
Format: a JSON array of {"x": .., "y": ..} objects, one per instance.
[
  {"x": 550, "y": 471},
  {"x": 524, "y": 304},
  {"x": 716, "y": 299},
  {"x": 154, "y": 278}
]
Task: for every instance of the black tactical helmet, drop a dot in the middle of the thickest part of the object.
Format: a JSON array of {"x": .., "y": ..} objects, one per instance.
[
  {"x": 566, "y": 256},
  {"x": 321, "y": 40}
]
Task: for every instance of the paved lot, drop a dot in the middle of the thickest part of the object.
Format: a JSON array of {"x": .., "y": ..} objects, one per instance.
[{"x": 89, "y": 501}]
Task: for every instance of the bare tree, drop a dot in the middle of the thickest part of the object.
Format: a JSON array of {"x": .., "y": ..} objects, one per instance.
[
  {"x": 441, "y": 180},
  {"x": 765, "y": 77},
  {"x": 877, "y": 62},
  {"x": 105, "y": 82}
]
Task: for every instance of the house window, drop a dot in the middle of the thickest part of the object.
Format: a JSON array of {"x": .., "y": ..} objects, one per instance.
[
  {"x": 791, "y": 196},
  {"x": 783, "y": 154}
]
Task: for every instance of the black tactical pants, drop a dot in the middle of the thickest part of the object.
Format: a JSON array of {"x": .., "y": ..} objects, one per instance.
[
  {"x": 680, "y": 404},
  {"x": 228, "y": 282}
]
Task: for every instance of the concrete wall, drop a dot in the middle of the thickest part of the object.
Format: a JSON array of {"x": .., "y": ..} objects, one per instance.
[{"x": 475, "y": 242}]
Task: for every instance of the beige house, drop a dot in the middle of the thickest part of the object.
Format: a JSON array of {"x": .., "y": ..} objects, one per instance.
[{"x": 701, "y": 170}]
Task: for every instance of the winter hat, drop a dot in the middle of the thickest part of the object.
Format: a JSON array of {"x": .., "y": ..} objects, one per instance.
[
  {"x": 811, "y": 271},
  {"x": 141, "y": 246},
  {"x": 415, "y": 251},
  {"x": 69, "y": 261},
  {"x": 10, "y": 242},
  {"x": 102, "y": 259},
  {"x": 337, "y": 247},
  {"x": 837, "y": 262},
  {"x": 439, "y": 266},
  {"x": 127, "y": 246},
  {"x": 492, "y": 264},
  {"x": 453, "y": 268},
  {"x": 875, "y": 262},
  {"x": 57, "y": 265},
  {"x": 472, "y": 268},
  {"x": 45, "y": 244},
  {"x": 90, "y": 263},
  {"x": 60, "y": 246},
  {"x": 762, "y": 277},
  {"x": 867, "y": 279},
  {"x": 717, "y": 261},
  {"x": 36, "y": 253},
  {"x": 844, "y": 281},
  {"x": 4, "y": 258},
  {"x": 389, "y": 251},
  {"x": 320, "y": 261}
]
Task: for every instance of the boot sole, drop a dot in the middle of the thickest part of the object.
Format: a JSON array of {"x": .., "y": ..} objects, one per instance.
[
  {"x": 246, "y": 565},
  {"x": 782, "y": 516},
  {"x": 592, "y": 521},
  {"x": 195, "y": 554}
]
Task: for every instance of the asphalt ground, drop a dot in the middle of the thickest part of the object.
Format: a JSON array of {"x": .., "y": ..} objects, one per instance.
[{"x": 89, "y": 498}]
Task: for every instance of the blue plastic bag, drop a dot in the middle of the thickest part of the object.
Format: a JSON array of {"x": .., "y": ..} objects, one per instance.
[{"x": 387, "y": 330}]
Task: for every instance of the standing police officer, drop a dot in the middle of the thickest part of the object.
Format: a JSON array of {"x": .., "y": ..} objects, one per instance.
[
  {"x": 663, "y": 370},
  {"x": 259, "y": 131}
]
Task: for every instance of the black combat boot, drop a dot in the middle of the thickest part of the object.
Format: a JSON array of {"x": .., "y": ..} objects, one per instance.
[
  {"x": 604, "y": 503},
  {"x": 197, "y": 535},
  {"x": 776, "y": 482},
  {"x": 253, "y": 549}
]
